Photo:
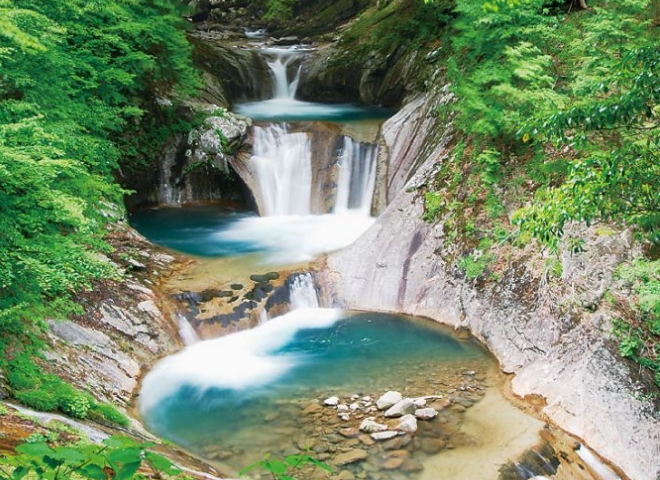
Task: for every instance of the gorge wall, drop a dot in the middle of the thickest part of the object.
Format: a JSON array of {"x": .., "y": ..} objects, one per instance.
[{"x": 553, "y": 334}]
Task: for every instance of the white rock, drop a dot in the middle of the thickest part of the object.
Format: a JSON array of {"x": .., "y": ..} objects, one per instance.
[
  {"x": 401, "y": 408},
  {"x": 426, "y": 413},
  {"x": 380, "y": 436},
  {"x": 369, "y": 425},
  {"x": 342, "y": 408},
  {"x": 388, "y": 399},
  {"x": 408, "y": 424},
  {"x": 331, "y": 402},
  {"x": 354, "y": 406},
  {"x": 345, "y": 418},
  {"x": 420, "y": 402},
  {"x": 367, "y": 399}
]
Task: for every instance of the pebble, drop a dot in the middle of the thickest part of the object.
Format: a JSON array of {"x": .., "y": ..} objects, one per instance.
[
  {"x": 388, "y": 399},
  {"x": 426, "y": 413},
  {"x": 331, "y": 402}
]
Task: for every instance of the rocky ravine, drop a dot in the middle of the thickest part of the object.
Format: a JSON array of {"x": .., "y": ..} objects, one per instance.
[
  {"x": 553, "y": 334},
  {"x": 126, "y": 327}
]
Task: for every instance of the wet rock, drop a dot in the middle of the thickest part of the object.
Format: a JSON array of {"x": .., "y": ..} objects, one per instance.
[
  {"x": 346, "y": 475},
  {"x": 236, "y": 286},
  {"x": 286, "y": 41},
  {"x": 432, "y": 445},
  {"x": 426, "y": 413},
  {"x": 411, "y": 465},
  {"x": 369, "y": 425},
  {"x": 349, "y": 432},
  {"x": 352, "y": 456},
  {"x": 331, "y": 401},
  {"x": 401, "y": 408},
  {"x": 397, "y": 443},
  {"x": 407, "y": 423},
  {"x": 312, "y": 409},
  {"x": 382, "y": 436},
  {"x": 366, "y": 440},
  {"x": 388, "y": 399},
  {"x": 266, "y": 277},
  {"x": 420, "y": 402},
  {"x": 392, "y": 463}
]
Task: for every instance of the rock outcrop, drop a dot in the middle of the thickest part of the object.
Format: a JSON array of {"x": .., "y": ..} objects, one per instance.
[{"x": 548, "y": 333}]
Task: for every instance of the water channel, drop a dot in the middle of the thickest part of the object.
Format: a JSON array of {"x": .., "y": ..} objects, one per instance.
[{"x": 253, "y": 391}]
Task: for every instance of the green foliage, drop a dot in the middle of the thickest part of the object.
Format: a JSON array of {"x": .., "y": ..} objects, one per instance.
[
  {"x": 121, "y": 455},
  {"x": 398, "y": 24},
  {"x": 640, "y": 337},
  {"x": 105, "y": 412},
  {"x": 49, "y": 393},
  {"x": 285, "y": 469},
  {"x": 79, "y": 84},
  {"x": 475, "y": 263},
  {"x": 280, "y": 9}
]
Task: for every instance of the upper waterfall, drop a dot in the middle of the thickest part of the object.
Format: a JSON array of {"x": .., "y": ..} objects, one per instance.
[{"x": 283, "y": 58}]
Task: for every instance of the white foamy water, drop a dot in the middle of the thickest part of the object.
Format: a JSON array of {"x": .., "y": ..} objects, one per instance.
[
  {"x": 238, "y": 361},
  {"x": 186, "y": 331},
  {"x": 298, "y": 238},
  {"x": 302, "y": 292},
  {"x": 284, "y": 170}
]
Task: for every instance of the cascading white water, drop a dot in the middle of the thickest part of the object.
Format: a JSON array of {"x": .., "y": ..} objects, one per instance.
[
  {"x": 283, "y": 168},
  {"x": 279, "y": 68},
  {"x": 186, "y": 331},
  {"x": 302, "y": 292},
  {"x": 282, "y": 165},
  {"x": 357, "y": 177}
]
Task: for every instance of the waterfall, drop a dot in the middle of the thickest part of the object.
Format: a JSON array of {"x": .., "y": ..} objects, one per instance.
[
  {"x": 186, "y": 331},
  {"x": 283, "y": 168},
  {"x": 279, "y": 69},
  {"x": 302, "y": 292},
  {"x": 357, "y": 177}
]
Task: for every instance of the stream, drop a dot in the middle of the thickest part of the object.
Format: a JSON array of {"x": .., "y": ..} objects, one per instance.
[{"x": 270, "y": 357}]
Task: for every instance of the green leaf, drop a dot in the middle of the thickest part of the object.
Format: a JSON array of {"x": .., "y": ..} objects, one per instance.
[
  {"x": 126, "y": 471},
  {"x": 35, "y": 450},
  {"x": 125, "y": 455},
  {"x": 94, "y": 472},
  {"x": 162, "y": 464}
]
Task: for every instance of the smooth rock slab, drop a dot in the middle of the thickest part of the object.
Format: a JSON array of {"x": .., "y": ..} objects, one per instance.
[
  {"x": 392, "y": 463},
  {"x": 351, "y": 456},
  {"x": 401, "y": 408},
  {"x": 388, "y": 399},
  {"x": 382, "y": 436}
]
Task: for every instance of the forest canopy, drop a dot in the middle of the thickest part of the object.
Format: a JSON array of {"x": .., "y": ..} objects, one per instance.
[{"x": 78, "y": 88}]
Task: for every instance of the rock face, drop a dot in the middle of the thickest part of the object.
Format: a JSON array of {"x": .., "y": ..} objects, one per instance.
[
  {"x": 539, "y": 330},
  {"x": 123, "y": 329},
  {"x": 195, "y": 166},
  {"x": 232, "y": 74},
  {"x": 372, "y": 78}
]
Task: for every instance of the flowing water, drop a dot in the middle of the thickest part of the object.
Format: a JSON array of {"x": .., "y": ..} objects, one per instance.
[
  {"x": 221, "y": 392},
  {"x": 236, "y": 398}
]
